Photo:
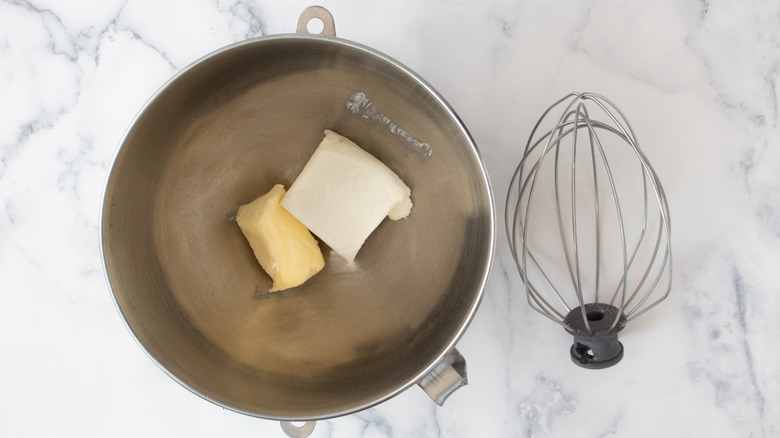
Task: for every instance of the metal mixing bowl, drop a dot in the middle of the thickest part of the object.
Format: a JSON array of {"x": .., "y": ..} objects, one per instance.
[{"x": 224, "y": 131}]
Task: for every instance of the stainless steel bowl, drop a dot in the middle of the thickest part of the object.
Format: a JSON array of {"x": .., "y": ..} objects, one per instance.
[{"x": 224, "y": 131}]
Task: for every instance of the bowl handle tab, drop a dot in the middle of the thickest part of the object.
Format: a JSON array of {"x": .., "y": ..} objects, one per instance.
[
  {"x": 316, "y": 13},
  {"x": 447, "y": 376},
  {"x": 294, "y": 431}
]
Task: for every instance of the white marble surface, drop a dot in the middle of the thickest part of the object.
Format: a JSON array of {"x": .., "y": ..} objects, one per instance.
[{"x": 697, "y": 79}]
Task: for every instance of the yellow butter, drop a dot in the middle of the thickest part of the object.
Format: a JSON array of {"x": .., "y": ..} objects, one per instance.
[{"x": 285, "y": 248}]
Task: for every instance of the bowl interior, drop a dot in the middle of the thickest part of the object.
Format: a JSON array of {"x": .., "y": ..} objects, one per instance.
[{"x": 185, "y": 279}]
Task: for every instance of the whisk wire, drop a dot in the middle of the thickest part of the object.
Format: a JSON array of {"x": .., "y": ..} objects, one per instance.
[
  {"x": 535, "y": 299},
  {"x": 597, "y": 206},
  {"x": 644, "y": 278},
  {"x": 619, "y": 213},
  {"x": 630, "y": 302}
]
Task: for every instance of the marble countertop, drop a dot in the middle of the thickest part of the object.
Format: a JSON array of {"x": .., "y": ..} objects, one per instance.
[{"x": 697, "y": 79}]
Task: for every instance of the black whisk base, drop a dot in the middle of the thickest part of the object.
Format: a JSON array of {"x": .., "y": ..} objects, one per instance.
[{"x": 595, "y": 332}]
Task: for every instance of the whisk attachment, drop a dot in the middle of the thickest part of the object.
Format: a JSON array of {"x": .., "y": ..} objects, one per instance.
[{"x": 587, "y": 223}]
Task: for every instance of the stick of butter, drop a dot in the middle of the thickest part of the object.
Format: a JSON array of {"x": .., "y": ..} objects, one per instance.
[
  {"x": 286, "y": 250},
  {"x": 343, "y": 193}
]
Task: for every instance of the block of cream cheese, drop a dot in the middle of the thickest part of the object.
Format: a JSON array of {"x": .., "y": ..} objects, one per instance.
[
  {"x": 286, "y": 250},
  {"x": 343, "y": 193}
]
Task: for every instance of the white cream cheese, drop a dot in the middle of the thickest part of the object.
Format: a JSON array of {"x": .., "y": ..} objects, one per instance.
[{"x": 344, "y": 193}]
